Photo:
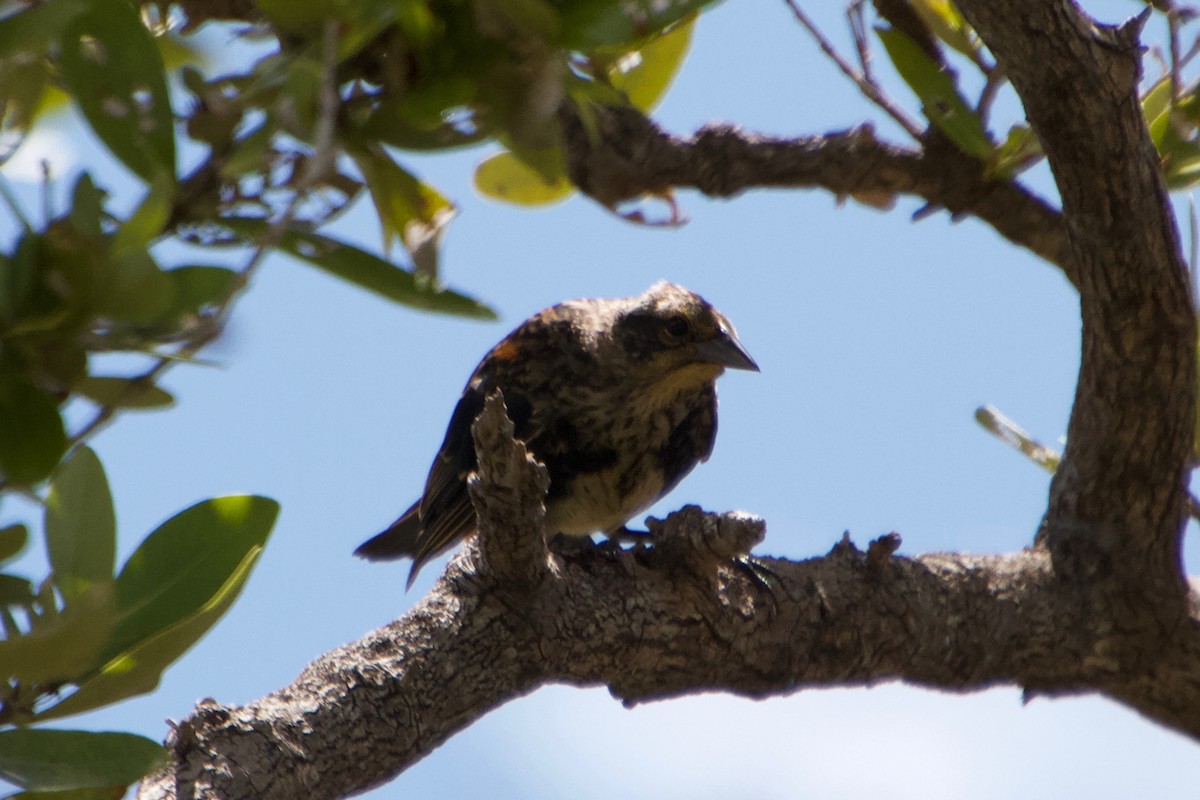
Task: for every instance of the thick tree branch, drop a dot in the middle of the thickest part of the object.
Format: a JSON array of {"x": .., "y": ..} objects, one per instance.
[
  {"x": 1118, "y": 500},
  {"x": 678, "y": 619},
  {"x": 626, "y": 156}
]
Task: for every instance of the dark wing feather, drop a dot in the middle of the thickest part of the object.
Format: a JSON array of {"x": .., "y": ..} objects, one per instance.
[
  {"x": 445, "y": 510},
  {"x": 398, "y": 541},
  {"x": 691, "y": 441},
  {"x": 444, "y": 514}
]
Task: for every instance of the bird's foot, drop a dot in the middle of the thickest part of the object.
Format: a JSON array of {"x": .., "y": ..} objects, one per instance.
[{"x": 760, "y": 575}]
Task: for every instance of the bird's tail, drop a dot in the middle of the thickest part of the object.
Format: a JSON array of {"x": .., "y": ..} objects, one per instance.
[{"x": 398, "y": 541}]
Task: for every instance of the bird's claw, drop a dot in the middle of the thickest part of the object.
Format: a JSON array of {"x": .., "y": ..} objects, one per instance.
[{"x": 760, "y": 575}]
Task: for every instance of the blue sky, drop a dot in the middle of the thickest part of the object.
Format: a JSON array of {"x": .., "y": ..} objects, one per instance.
[{"x": 877, "y": 339}]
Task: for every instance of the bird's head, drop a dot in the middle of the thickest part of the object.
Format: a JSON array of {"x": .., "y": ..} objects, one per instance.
[{"x": 670, "y": 333}]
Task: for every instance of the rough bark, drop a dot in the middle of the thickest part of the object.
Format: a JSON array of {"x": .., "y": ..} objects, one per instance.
[
  {"x": 1099, "y": 605},
  {"x": 633, "y": 157},
  {"x": 688, "y": 616},
  {"x": 1115, "y": 519}
]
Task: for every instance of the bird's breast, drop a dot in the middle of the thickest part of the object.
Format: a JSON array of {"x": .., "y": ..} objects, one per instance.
[
  {"x": 634, "y": 430},
  {"x": 603, "y": 500}
]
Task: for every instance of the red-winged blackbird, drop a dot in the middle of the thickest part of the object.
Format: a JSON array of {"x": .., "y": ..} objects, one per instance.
[{"x": 616, "y": 397}]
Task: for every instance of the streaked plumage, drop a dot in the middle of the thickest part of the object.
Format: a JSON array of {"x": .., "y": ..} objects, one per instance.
[{"x": 616, "y": 397}]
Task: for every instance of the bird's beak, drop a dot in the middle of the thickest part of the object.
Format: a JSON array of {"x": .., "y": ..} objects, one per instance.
[{"x": 726, "y": 350}]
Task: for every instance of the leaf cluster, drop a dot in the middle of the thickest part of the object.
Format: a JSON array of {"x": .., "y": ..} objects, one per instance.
[
  {"x": 317, "y": 118},
  {"x": 90, "y": 635}
]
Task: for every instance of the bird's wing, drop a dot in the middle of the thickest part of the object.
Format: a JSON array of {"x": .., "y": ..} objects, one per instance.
[
  {"x": 398, "y": 541},
  {"x": 445, "y": 508},
  {"x": 690, "y": 442}
]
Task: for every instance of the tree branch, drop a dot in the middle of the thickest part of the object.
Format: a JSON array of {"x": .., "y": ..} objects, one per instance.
[
  {"x": 680, "y": 618},
  {"x": 625, "y": 156},
  {"x": 1103, "y": 608},
  {"x": 1118, "y": 500}
]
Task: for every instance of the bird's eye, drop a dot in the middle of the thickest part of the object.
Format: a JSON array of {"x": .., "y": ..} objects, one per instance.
[{"x": 676, "y": 327}]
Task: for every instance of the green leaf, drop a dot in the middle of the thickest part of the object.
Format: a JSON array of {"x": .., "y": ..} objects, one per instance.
[
  {"x": 62, "y": 645},
  {"x": 21, "y": 295},
  {"x": 138, "y": 669},
  {"x": 15, "y": 590},
  {"x": 590, "y": 24},
  {"x": 146, "y": 222},
  {"x": 505, "y": 177},
  {"x": 36, "y": 26},
  {"x": 123, "y": 393},
  {"x": 12, "y": 540},
  {"x": 87, "y": 206},
  {"x": 185, "y": 561},
  {"x": 44, "y": 759},
  {"x": 447, "y": 136},
  {"x": 1156, "y": 104},
  {"x": 23, "y": 82},
  {"x": 1007, "y": 431},
  {"x": 196, "y": 288},
  {"x": 115, "y": 73},
  {"x": 81, "y": 529},
  {"x": 32, "y": 438},
  {"x": 381, "y": 277},
  {"x": 174, "y": 587},
  {"x": 140, "y": 291},
  {"x": 292, "y": 17},
  {"x": 368, "y": 271},
  {"x": 1019, "y": 151},
  {"x": 251, "y": 153},
  {"x": 1183, "y": 171},
  {"x": 946, "y": 22},
  {"x": 939, "y": 96},
  {"x": 646, "y": 74},
  {"x": 408, "y": 209},
  {"x": 517, "y": 22}
]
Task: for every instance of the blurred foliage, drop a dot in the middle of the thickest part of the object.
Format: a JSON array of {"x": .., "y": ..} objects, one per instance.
[
  {"x": 87, "y": 635},
  {"x": 943, "y": 55},
  {"x": 317, "y": 113},
  {"x": 310, "y": 123}
]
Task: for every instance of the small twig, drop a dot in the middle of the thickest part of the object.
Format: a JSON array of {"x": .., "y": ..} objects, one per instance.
[
  {"x": 1011, "y": 434},
  {"x": 1045, "y": 457},
  {"x": 991, "y": 89},
  {"x": 324, "y": 154},
  {"x": 47, "y": 203},
  {"x": 1186, "y": 58},
  {"x": 1174, "y": 51},
  {"x": 867, "y": 87},
  {"x": 856, "y": 19}
]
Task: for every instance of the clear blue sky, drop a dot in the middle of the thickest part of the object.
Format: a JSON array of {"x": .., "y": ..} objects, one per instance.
[{"x": 877, "y": 339}]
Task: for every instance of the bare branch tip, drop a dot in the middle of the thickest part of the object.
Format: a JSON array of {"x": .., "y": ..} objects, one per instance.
[
  {"x": 508, "y": 491},
  {"x": 880, "y": 550}
]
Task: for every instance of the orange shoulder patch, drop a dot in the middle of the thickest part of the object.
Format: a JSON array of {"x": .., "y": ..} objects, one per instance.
[{"x": 508, "y": 350}]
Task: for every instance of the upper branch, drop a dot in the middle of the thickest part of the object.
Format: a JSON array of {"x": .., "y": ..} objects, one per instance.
[{"x": 624, "y": 155}]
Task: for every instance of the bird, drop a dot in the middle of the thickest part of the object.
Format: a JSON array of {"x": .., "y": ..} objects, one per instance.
[{"x": 616, "y": 397}]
